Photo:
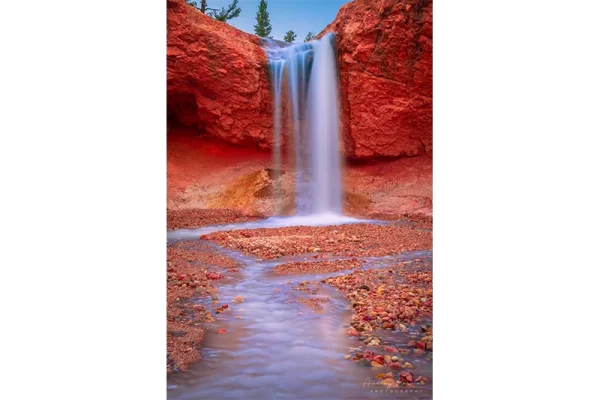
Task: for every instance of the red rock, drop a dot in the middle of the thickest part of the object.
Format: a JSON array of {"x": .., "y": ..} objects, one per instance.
[
  {"x": 406, "y": 377},
  {"x": 385, "y": 61},
  {"x": 222, "y": 331},
  {"x": 390, "y": 349},
  {"x": 352, "y": 332},
  {"x": 217, "y": 81}
]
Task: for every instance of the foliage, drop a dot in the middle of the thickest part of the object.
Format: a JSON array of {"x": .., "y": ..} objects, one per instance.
[
  {"x": 309, "y": 36},
  {"x": 290, "y": 36},
  {"x": 263, "y": 24},
  {"x": 232, "y": 11}
]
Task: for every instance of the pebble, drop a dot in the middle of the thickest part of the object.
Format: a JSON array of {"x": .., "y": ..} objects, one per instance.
[{"x": 238, "y": 299}]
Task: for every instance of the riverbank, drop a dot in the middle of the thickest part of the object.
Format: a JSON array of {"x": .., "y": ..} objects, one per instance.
[
  {"x": 352, "y": 240},
  {"x": 192, "y": 270}
]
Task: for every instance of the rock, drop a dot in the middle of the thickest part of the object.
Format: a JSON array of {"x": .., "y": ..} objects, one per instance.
[
  {"x": 347, "y": 357},
  {"x": 352, "y": 332},
  {"x": 407, "y": 365},
  {"x": 384, "y": 375},
  {"x": 364, "y": 287},
  {"x": 406, "y": 377},
  {"x": 389, "y": 383},
  {"x": 376, "y": 364},
  {"x": 385, "y": 60},
  {"x": 217, "y": 80},
  {"x": 238, "y": 299},
  {"x": 222, "y": 331},
  {"x": 390, "y": 349},
  {"x": 394, "y": 358}
]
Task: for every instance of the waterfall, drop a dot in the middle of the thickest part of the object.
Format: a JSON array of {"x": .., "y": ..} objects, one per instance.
[{"x": 309, "y": 72}]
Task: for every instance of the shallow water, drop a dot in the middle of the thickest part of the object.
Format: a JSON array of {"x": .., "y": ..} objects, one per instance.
[
  {"x": 272, "y": 222},
  {"x": 281, "y": 349}
]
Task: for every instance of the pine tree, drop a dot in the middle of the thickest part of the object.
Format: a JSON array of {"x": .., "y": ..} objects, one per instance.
[
  {"x": 290, "y": 36},
  {"x": 309, "y": 36},
  {"x": 263, "y": 24},
  {"x": 232, "y": 11}
]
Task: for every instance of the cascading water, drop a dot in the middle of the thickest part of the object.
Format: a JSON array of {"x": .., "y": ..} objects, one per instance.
[{"x": 309, "y": 71}]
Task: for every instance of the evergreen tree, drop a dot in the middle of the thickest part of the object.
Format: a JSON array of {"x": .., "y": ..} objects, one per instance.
[
  {"x": 263, "y": 24},
  {"x": 290, "y": 36},
  {"x": 232, "y": 11},
  {"x": 309, "y": 36},
  {"x": 192, "y": 3}
]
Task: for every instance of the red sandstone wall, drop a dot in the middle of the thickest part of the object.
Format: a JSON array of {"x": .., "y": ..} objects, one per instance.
[
  {"x": 218, "y": 84},
  {"x": 385, "y": 61},
  {"x": 217, "y": 81}
]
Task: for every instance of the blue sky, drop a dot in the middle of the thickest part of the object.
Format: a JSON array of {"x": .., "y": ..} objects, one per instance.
[{"x": 301, "y": 16}]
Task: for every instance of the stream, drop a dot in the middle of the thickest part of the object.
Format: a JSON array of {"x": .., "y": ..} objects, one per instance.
[{"x": 281, "y": 349}]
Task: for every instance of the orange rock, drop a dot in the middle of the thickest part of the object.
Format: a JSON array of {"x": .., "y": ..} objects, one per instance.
[
  {"x": 385, "y": 61},
  {"x": 217, "y": 81},
  {"x": 218, "y": 84}
]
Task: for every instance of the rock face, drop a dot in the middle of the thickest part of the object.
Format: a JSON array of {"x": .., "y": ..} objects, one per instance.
[
  {"x": 218, "y": 82},
  {"x": 217, "y": 79},
  {"x": 384, "y": 52}
]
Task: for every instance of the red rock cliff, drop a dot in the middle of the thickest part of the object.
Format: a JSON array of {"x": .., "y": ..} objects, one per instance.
[
  {"x": 217, "y": 79},
  {"x": 385, "y": 59},
  {"x": 218, "y": 83}
]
